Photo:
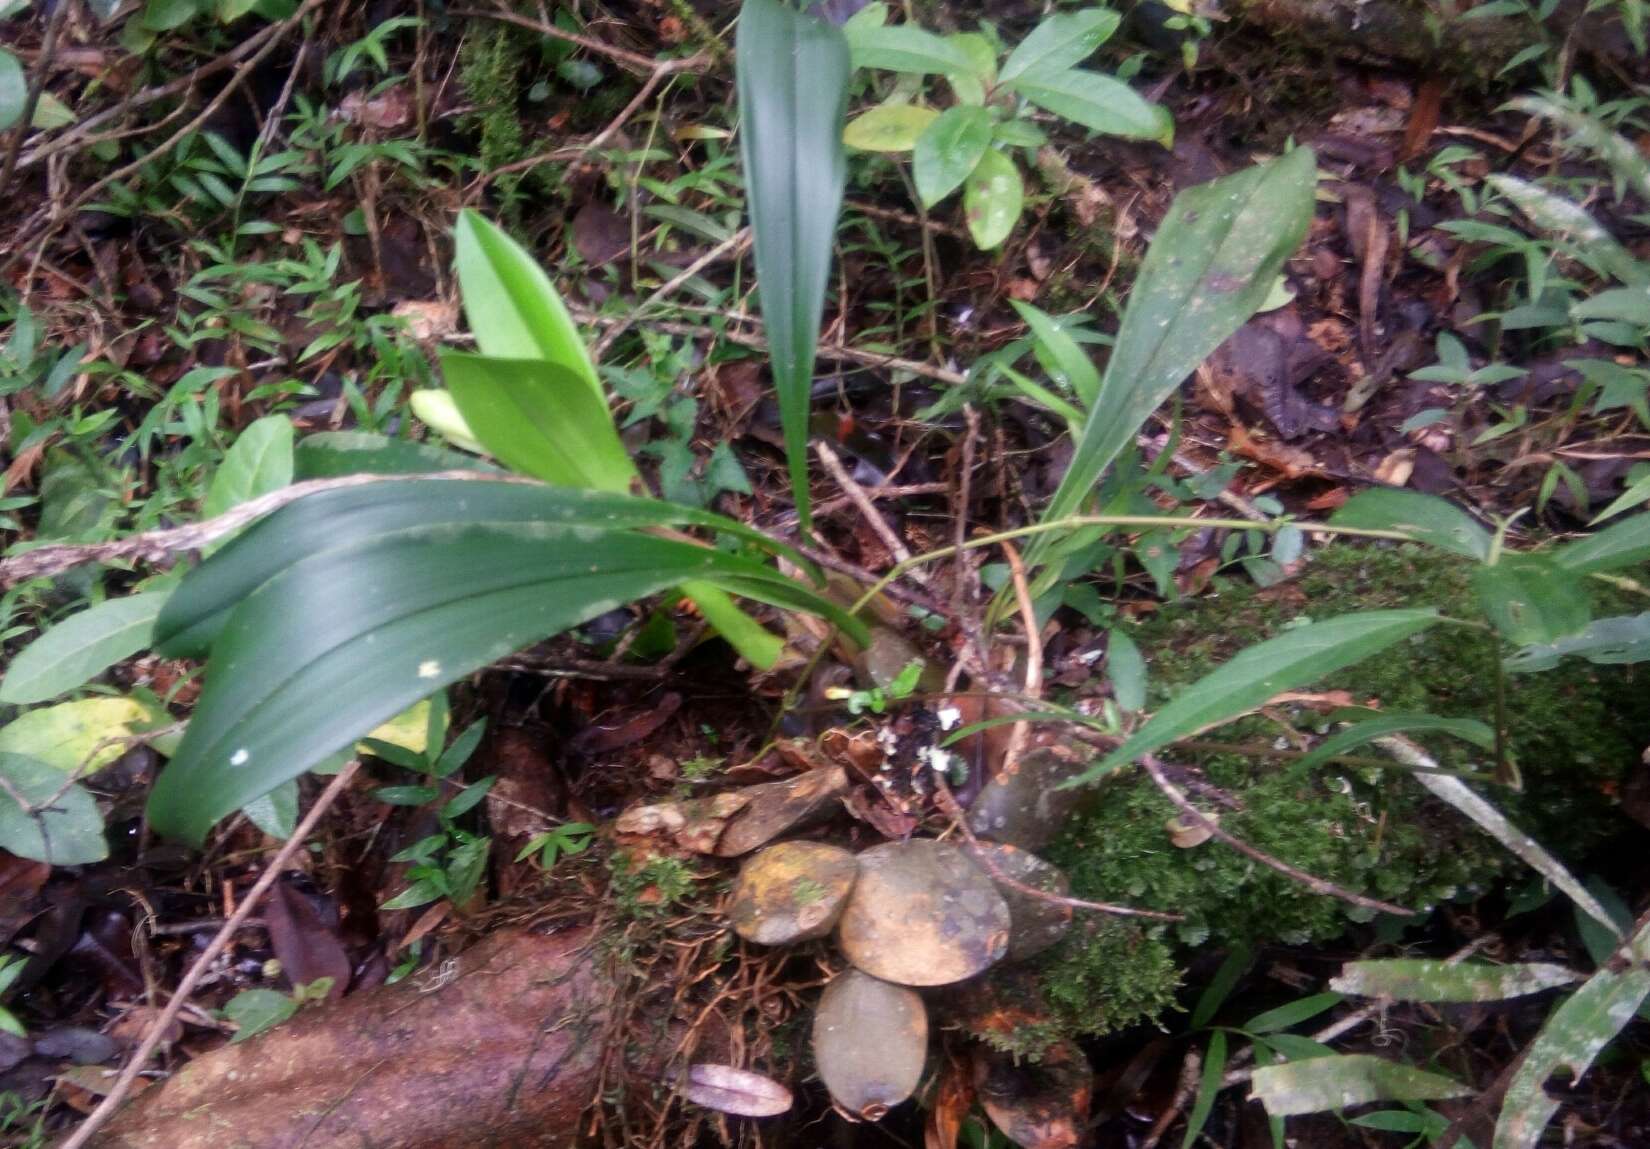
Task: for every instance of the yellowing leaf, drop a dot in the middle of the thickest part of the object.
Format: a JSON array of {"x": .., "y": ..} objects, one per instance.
[
  {"x": 409, "y": 730},
  {"x": 64, "y": 736},
  {"x": 888, "y": 128}
]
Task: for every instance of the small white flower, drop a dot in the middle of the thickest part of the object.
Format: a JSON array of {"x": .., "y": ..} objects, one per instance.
[{"x": 949, "y": 717}]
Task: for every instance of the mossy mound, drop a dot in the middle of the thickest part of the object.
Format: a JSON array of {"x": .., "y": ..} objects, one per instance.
[{"x": 1575, "y": 731}]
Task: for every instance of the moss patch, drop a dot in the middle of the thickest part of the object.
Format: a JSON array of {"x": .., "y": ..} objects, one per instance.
[{"x": 1575, "y": 731}]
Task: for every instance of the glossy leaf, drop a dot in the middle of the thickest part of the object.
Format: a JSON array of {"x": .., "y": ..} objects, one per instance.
[
  {"x": 1531, "y": 599},
  {"x": 793, "y": 90},
  {"x": 1211, "y": 265},
  {"x": 905, "y": 48},
  {"x": 1068, "y": 356},
  {"x": 1293, "y": 659},
  {"x": 538, "y": 418},
  {"x": 889, "y": 128},
  {"x": 1059, "y": 42},
  {"x": 948, "y": 150},
  {"x": 1100, "y": 103},
  {"x": 1332, "y": 1083},
  {"x": 1407, "y": 979},
  {"x": 1426, "y": 518},
  {"x": 1607, "y": 642},
  {"x": 79, "y": 648},
  {"x": 512, "y": 307},
  {"x": 1371, "y": 725},
  {"x": 1574, "y": 1035},
  {"x": 993, "y": 196},
  {"x": 1623, "y": 544},
  {"x": 329, "y": 454},
  {"x": 362, "y": 614},
  {"x": 69, "y": 832},
  {"x": 260, "y": 461}
]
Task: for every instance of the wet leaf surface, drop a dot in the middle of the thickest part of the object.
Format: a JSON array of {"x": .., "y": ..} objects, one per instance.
[
  {"x": 792, "y": 892},
  {"x": 870, "y": 1043},
  {"x": 922, "y": 913}
]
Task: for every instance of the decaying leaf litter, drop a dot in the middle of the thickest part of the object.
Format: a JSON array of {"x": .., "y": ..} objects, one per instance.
[{"x": 758, "y": 869}]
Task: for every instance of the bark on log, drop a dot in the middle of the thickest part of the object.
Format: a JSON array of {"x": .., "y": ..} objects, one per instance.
[{"x": 503, "y": 1052}]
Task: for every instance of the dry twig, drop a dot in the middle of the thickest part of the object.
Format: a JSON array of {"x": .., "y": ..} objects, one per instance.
[{"x": 1033, "y": 688}]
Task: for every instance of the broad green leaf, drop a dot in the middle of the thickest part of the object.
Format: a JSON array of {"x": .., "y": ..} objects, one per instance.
[
  {"x": 439, "y": 412},
  {"x": 1606, "y": 642},
  {"x": 1407, "y": 979},
  {"x": 1332, "y": 1083},
  {"x": 79, "y": 648},
  {"x": 357, "y": 624},
  {"x": 1076, "y": 366},
  {"x": 275, "y": 813},
  {"x": 538, "y": 418},
  {"x": 1371, "y": 725},
  {"x": 1624, "y": 544},
  {"x": 889, "y": 128},
  {"x": 1251, "y": 677},
  {"x": 189, "y": 624},
  {"x": 792, "y": 75},
  {"x": 993, "y": 196},
  {"x": 1426, "y": 518},
  {"x": 14, "y": 90},
  {"x": 512, "y": 307},
  {"x": 329, "y": 454},
  {"x": 51, "y": 112},
  {"x": 1126, "y": 669},
  {"x": 260, "y": 461},
  {"x": 948, "y": 150},
  {"x": 1531, "y": 599},
  {"x": 69, "y": 832},
  {"x": 1574, "y": 1035},
  {"x": 65, "y": 736},
  {"x": 1102, "y": 104},
  {"x": 905, "y": 48},
  {"x": 1060, "y": 42},
  {"x": 1214, "y": 1067},
  {"x": 1210, "y": 266},
  {"x": 1619, "y": 304},
  {"x": 255, "y": 1010}
]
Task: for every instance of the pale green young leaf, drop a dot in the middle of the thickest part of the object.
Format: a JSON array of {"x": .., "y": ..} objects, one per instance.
[
  {"x": 1623, "y": 544},
  {"x": 1370, "y": 725},
  {"x": 259, "y": 461},
  {"x": 905, "y": 48},
  {"x": 255, "y": 1010},
  {"x": 948, "y": 150},
  {"x": 1061, "y": 41},
  {"x": 1101, "y": 104},
  {"x": 1418, "y": 979},
  {"x": 1073, "y": 363}
]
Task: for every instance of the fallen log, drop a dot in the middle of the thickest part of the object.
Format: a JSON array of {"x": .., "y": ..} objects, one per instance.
[{"x": 500, "y": 1047}]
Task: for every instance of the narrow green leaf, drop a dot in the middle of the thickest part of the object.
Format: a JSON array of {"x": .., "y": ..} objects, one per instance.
[
  {"x": 1532, "y": 599},
  {"x": 1427, "y": 518},
  {"x": 993, "y": 195},
  {"x": 69, "y": 832},
  {"x": 1552, "y": 213},
  {"x": 1291, "y": 660},
  {"x": 792, "y": 75},
  {"x": 1371, "y": 725},
  {"x": 512, "y": 307},
  {"x": 1333, "y": 1083},
  {"x": 904, "y": 48},
  {"x": 948, "y": 150},
  {"x": 1607, "y": 642},
  {"x": 1574, "y": 1035},
  {"x": 758, "y": 646},
  {"x": 1073, "y": 363},
  {"x": 1209, "y": 268},
  {"x": 260, "y": 461},
  {"x": 79, "y": 648},
  {"x": 1638, "y": 492},
  {"x": 1061, "y": 41},
  {"x": 1208, "y": 1088},
  {"x": 1623, "y": 544},
  {"x": 1291, "y": 1014},
  {"x": 889, "y": 128},
  {"x": 1214, "y": 994},
  {"x": 538, "y": 418},
  {"x": 1407, "y": 979},
  {"x": 329, "y": 454},
  {"x": 1126, "y": 668},
  {"x": 1099, "y": 103}
]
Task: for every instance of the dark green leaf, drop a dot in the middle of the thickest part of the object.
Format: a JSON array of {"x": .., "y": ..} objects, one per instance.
[
  {"x": 81, "y": 647},
  {"x": 1370, "y": 725},
  {"x": 1425, "y": 517},
  {"x": 1214, "y": 1067},
  {"x": 1213, "y": 262},
  {"x": 1099, "y": 103},
  {"x": 1127, "y": 670},
  {"x": 540, "y": 419},
  {"x": 1073, "y": 363},
  {"x": 793, "y": 89},
  {"x": 329, "y": 454},
  {"x": 1291, "y": 660},
  {"x": 904, "y": 48},
  {"x": 69, "y": 832},
  {"x": 948, "y": 150},
  {"x": 1060, "y": 42},
  {"x": 1624, "y": 544},
  {"x": 1214, "y": 994},
  {"x": 1292, "y": 1014},
  {"x": 1334, "y": 1083},
  {"x": 1531, "y": 599},
  {"x": 276, "y": 813}
]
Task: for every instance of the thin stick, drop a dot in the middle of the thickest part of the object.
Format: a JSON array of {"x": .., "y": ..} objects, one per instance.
[
  {"x": 733, "y": 246},
  {"x": 833, "y": 465},
  {"x": 157, "y": 546},
  {"x": 948, "y": 805},
  {"x": 100, "y": 1116},
  {"x": 1315, "y": 884},
  {"x": 1020, "y": 734}
]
